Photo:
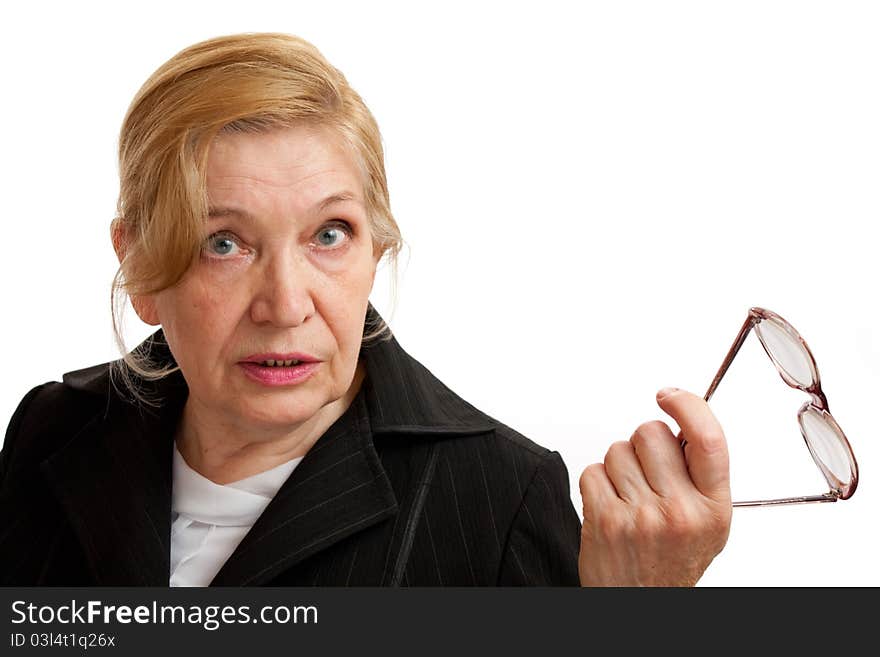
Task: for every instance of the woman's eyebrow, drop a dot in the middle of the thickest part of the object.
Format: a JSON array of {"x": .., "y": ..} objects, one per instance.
[
  {"x": 339, "y": 197},
  {"x": 217, "y": 211}
]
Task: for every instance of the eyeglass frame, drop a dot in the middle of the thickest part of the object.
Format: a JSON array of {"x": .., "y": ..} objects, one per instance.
[{"x": 818, "y": 402}]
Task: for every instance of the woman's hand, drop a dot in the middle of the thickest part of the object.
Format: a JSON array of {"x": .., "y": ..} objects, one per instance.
[{"x": 656, "y": 514}]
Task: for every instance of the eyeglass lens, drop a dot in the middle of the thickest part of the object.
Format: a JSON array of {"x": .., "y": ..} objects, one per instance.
[
  {"x": 824, "y": 437},
  {"x": 787, "y": 352},
  {"x": 827, "y": 444}
]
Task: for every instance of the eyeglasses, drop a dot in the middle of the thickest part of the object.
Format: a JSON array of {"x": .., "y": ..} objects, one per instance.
[{"x": 826, "y": 441}]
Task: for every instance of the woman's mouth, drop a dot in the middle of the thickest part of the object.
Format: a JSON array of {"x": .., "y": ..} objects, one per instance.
[
  {"x": 279, "y": 375},
  {"x": 279, "y": 369}
]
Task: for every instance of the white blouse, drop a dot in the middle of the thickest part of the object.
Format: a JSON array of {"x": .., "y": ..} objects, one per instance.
[{"x": 208, "y": 520}]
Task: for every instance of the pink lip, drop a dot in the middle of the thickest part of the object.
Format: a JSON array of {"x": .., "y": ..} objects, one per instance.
[{"x": 279, "y": 376}]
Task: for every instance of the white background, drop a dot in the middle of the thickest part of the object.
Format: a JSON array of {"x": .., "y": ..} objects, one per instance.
[{"x": 592, "y": 194}]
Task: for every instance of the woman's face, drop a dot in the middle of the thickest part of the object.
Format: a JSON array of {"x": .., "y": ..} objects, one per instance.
[{"x": 285, "y": 273}]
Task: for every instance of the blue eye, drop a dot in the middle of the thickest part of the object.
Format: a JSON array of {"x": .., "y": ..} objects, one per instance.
[
  {"x": 220, "y": 244},
  {"x": 332, "y": 235}
]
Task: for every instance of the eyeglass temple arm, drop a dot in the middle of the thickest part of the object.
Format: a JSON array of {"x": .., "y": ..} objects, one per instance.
[
  {"x": 740, "y": 338},
  {"x": 826, "y": 497},
  {"x": 731, "y": 354}
]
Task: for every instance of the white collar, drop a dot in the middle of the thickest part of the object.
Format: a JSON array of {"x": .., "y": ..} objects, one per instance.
[{"x": 236, "y": 504}]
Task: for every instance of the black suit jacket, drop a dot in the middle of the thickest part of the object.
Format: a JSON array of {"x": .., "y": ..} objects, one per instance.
[{"x": 412, "y": 486}]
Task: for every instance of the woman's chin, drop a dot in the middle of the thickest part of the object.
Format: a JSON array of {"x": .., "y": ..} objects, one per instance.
[{"x": 279, "y": 413}]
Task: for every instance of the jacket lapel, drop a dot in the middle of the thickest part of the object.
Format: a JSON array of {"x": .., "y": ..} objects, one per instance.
[
  {"x": 114, "y": 481},
  {"x": 338, "y": 489}
]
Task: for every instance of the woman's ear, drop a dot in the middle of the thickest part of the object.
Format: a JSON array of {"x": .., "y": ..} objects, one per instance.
[{"x": 144, "y": 305}]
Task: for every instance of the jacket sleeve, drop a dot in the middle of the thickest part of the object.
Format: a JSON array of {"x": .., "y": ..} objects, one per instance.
[
  {"x": 544, "y": 540},
  {"x": 12, "y": 431}
]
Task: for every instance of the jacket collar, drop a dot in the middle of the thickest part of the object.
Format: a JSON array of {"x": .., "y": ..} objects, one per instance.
[{"x": 114, "y": 477}]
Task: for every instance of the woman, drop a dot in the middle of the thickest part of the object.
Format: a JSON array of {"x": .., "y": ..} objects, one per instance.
[{"x": 273, "y": 431}]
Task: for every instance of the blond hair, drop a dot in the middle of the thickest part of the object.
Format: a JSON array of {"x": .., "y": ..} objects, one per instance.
[{"x": 250, "y": 82}]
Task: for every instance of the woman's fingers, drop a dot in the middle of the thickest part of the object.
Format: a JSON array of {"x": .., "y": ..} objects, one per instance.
[
  {"x": 661, "y": 458},
  {"x": 626, "y": 473},
  {"x": 597, "y": 491},
  {"x": 650, "y": 463}
]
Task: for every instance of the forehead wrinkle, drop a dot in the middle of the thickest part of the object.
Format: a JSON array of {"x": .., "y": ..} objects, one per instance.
[
  {"x": 219, "y": 209},
  {"x": 227, "y": 159},
  {"x": 233, "y": 180}
]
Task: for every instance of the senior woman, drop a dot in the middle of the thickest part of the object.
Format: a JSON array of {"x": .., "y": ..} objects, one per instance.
[{"x": 273, "y": 431}]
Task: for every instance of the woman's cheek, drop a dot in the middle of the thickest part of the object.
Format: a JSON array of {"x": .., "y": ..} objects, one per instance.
[
  {"x": 216, "y": 283},
  {"x": 204, "y": 306},
  {"x": 217, "y": 271},
  {"x": 336, "y": 262}
]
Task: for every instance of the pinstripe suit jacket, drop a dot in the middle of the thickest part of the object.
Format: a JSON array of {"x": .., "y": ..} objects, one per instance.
[{"x": 412, "y": 486}]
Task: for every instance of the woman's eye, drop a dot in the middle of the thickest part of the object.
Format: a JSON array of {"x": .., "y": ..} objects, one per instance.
[
  {"x": 221, "y": 244},
  {"x": 333, "y": 235}
]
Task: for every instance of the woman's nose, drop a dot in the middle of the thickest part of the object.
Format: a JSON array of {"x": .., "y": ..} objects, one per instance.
[{"x": 283, "y": 293}]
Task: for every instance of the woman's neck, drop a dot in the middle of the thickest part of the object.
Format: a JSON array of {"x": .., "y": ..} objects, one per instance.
[{"x": 224, "y": 452}]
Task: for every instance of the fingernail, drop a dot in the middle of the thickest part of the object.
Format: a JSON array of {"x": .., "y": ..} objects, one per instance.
[{"x": 666, "y": 391}]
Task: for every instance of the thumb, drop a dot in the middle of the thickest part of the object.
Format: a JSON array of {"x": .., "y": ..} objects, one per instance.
[{"x": 706, "y": 450}]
